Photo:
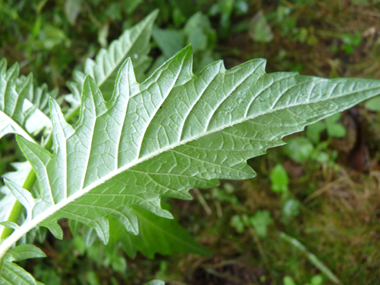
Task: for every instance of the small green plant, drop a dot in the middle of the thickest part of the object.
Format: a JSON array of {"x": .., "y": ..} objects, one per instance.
[
  {"x": 330, "y": 124},
  {"x": 259, "y": 222},
  {"x": 197, "y": 32},
  {"x": 139, "y": 139},
  {"x": 280, "y": 182},
  {"x": 302, "y": 149},
  {"x": 259, "y": 30},
  {"x": 350, "y": 42},
  {"x": 279, "y": 179},
  {"x": 315, "y": 280},
  {"x": 373, "y": 104}
]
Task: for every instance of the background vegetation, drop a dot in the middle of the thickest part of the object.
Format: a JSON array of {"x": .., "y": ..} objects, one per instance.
[{"x": 318, "y": 195}]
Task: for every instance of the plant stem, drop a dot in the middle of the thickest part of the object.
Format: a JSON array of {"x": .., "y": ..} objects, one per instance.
[
  {"x": 17, "y": 208},
  {"x": 203, "y": 202},
  {"x": 312, "y": 257}
]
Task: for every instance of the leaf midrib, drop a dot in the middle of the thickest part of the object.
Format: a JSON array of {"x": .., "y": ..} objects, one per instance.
[
  {"x": 53, "y": 209},
  {"x": 172, "y": 146},
  {"x": 114, "y": 173}
]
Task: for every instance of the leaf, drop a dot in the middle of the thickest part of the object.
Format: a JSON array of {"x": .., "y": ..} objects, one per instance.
[
  {"x": 11, "y": 273},
  {"x": 173, "y": 132},
  {"x": 291, "y": 208},
  {"x": 313, "y": 132},
  {"x": 11, "y": 225},
  {"x": 260, "y": 30},
  {"x": 155, "y": 282},
  {"x": 132, "y": 43},
  {"x": 7, "y": 199},
  {"x": 23, "y": 196},
  {"x": 299, "y": 149},
  {"x": 12, "y": 95},
  {"x": 157, "y": 235},
  {"x": 72, "y": 10},
  {"x": 288, "y": 281},
  {"x": 40, "y": 97},
  {"x": 17, "y": 114},
  {"x": 131, "y": 5},
  {"x": 279, "y": 179},
  {"x": 332, "y": 119},
  {"x": 260, "y": 221},
  {"x": 197, "y": 31},
  {"x": 373, "y": 104},
  {"x": 169, "y": 41},
  {"x": 334, "y": 128},
  {"x": 237, "y": 222}
]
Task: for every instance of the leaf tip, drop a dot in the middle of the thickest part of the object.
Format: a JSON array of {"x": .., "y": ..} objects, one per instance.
[
  {"x": 29, "y": 78},
  {"x": 153, "y": 15},
  {"x": 55, "y": 229},
  {"x": 53, "y": 106},
  {"x": 188, "y": 49},
  {"x": 165, "y": 214},
  {"x": 88, "y": 80},
  {"x": 6, "y": 182},
  {"x": 126, "y": 66}
]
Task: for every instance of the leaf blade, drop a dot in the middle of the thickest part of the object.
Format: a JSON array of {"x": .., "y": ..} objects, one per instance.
[
  {"x": 159, "y": 235},
  {"x": 132, "y": 43},
  {"x": 11, "y": 273},
  {"x": 18, "y": 114},
  {"x": 173, "y": 132}
]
